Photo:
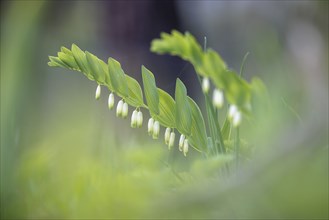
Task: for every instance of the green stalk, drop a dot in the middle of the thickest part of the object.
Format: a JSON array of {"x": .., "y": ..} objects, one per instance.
[
  {"x": 237, "y": 146},
  {"x": 237, "y": 135}
]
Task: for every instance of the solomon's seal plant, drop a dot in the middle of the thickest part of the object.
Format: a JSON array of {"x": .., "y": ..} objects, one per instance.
[{"x": 179, "y": 113}]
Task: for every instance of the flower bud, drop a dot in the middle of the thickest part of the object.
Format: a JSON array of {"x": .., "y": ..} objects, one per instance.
[
  {"x": 139, "y": 119},
  {"x": 98, "y": 92},
  {"x": 171, "y": 140},
  {"x": 156, "y": 130},
  {"x": 119, "y": 108},
  {"x": 237, "y": 119},
  {"x": 181, "y": 142},
  {"x": 218, "y": 98},
  {"x": 133, "y": 123},
  {"x": 185, "y": 149},
  {"x": 150, "y": 126},
  {"x": 167, "y": 135},
  {"x": 232, "y": 111},
  {"x": 205, "y": 84},
  {"x": 111, "y": 101},
  {"x": 125, "y": 110}
]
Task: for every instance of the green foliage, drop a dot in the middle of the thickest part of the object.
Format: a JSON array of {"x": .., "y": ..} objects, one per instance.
[
  {"x": 206, "y": 64},
  {"x": 151, "y": 95},
  {"x": 183, "y": 113}
]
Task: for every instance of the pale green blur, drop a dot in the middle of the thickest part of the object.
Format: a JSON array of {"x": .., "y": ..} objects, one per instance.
[{"x": 65, "y": 155}]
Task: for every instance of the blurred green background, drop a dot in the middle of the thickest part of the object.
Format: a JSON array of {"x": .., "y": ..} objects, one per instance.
[{"x": 64, "y": 155}]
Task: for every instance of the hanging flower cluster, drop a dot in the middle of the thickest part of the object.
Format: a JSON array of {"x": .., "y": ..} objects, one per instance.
[{"x": 179, "y": 114}]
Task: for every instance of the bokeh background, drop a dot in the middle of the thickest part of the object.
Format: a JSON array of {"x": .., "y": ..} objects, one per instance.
[{"x": 64, "y": 155}]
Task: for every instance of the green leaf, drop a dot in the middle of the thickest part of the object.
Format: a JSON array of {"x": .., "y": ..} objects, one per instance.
[
  {"x": 260, "y": 97},
  {"x": 166, "y": 115},
  {"x": 55, "y": 61},
  {"x": 184, "y": 46},
  {"x": 117, "y": 78},
  {"x": 207, "y": 64},
  {"x": 183, "y": 112},
  {"x": 66, "y": 51},
  {"x": 226, "y": 129},
  {"x": 96, "y": 69},
  {"x": 237, "y": 91},
  {"x": 150, "y": 90},
  {"x": 107, "y": 80},
  {"x": 80, "y": 58},
  {"x": 213, "y": 66},
  {"x": 198, "y": 137},
  {"x": 68, "y": 60},
  {"x": 135, "y": 95}
]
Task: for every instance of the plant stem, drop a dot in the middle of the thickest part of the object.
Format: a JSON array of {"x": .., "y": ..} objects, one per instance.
[
  {"x": 237, "y": 147},
  {"x": 243, "y": 63}
]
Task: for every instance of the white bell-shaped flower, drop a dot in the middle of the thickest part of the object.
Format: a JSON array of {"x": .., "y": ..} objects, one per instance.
[
  {"x": 236, "y": 121},
  {"x": 98, "y": 92},
  {"x": 156, "y": 130},
  {"x": 232, "y": 111},
  {"x": 125, "y": 110},
  {"x": 171, "y": 140},
  {"x": 205, "y": 84},
  {"x": 111, "y": 101},
  {"x": 150, "y": 126},
  {"x": 139, "y": 119},
  {"x": 185, "y": 148},
  {"x": 167, "y": 135},
  {"x": 133, "y": 122},
  {"x": 119, "y": 108},
  {"x": 218, "y": 98},
  {"x": 181, "y": 142}
]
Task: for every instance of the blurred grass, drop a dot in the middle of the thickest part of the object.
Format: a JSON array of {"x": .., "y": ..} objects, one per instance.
[{"x": 64, "y": 155}]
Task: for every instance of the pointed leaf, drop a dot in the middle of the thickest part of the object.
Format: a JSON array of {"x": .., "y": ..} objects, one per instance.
[
  {"x": 105, "y": 69},
  {"x": 150, "y": 90},
  {"x": 55, "y": 61},
  {"x": 80, "y": 58},
  {"x": 66, "y": 51},
  {"x": 135, "y": 95},
  {"x": 68, "y": 60},
  {"x": 117, "y": 78},
  {"x": 198, "y": 137},
  {"x": 183, "y": 112},
  {"x": 166, "y": 115},
  {"x": 96, "y": 69},
  {"x": 226, "y": 129}
]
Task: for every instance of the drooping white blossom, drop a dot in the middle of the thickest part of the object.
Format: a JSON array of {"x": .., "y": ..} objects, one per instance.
[
  {"x": 231, "y": 111},
  {"x": 205, "y": 84},
  {"x": 111, "y": 101},
  {"x": 185, "y": 149},
  {"x": 171, "y": 140},
  {"x": 156, "y": 130},
  {"x": 133, "y": 122},
  {"x": 218, "y": 98},
  {"x": 98, "y": 92},
  {"x": 237, "y": 119},
  {"x": 119, "y": 108},
  {"x": 167, "y": 135},
  {"x": 181, "y": 142},
  {"x": 150, "y": 126},
  {"x": 125, "y": 110},
  {"x": 139, "y": 119}
]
